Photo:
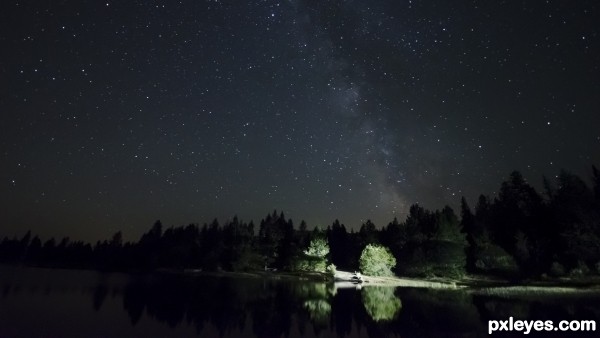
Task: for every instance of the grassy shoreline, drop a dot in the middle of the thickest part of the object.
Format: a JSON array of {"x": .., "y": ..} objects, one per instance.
[{"x": 474, "y": 283}]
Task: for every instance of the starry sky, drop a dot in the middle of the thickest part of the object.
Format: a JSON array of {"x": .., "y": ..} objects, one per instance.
[{"x": 116, "y": 113}]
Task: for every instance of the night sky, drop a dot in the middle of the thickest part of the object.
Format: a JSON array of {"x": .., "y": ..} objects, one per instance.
[{"x": 115, "y": 114}]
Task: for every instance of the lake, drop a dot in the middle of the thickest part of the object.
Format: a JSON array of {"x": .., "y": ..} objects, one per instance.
[{"x": 66, "y": 303}]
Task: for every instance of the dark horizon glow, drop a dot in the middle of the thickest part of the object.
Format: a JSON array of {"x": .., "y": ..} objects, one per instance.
[{"x": 116, "y": 114}]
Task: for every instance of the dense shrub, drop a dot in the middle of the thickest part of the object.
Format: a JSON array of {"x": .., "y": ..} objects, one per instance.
[{"x": 377, "y": 260}]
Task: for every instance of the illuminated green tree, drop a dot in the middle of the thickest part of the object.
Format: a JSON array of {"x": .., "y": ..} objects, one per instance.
[
  {"x": 318, "y": 248},
  {"x": 381, "y": 303},
  {"x": 314, "y": 258},
  {"x": 377, "y": 260}
]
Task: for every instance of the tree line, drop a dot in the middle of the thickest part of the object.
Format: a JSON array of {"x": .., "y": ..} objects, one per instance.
[{"x": 519, "y": 233}]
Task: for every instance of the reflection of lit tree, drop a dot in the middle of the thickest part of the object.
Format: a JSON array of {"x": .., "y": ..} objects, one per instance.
[
  {"x": 381, "y": 303},
  {"x": 314, "y": 290},
  {"x": 316, "y": 302},
  {"x": 318, "y": 309}
]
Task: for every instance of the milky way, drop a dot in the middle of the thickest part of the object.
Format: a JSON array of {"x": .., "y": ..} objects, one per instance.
[{"x": 115, "y": 114}]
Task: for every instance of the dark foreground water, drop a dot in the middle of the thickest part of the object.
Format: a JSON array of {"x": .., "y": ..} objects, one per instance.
[{"x": 63, "y": 303}]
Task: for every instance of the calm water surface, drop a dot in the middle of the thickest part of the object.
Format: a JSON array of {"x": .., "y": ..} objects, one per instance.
[{"x": 64, "y": 303}]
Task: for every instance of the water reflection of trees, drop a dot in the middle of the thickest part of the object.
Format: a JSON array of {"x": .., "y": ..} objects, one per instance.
[
  {"x": 432, "y": 313},
  {"x": 230, "y": 304},
  {"x": 272, "y": 308},
  {"x": 319, "y": 309},
  {"x": 227, "y": 303},
  {"x": 172, "y": 300},
  {"x": 381, "y": 303},
  {"x": 317, "y": 301}
]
